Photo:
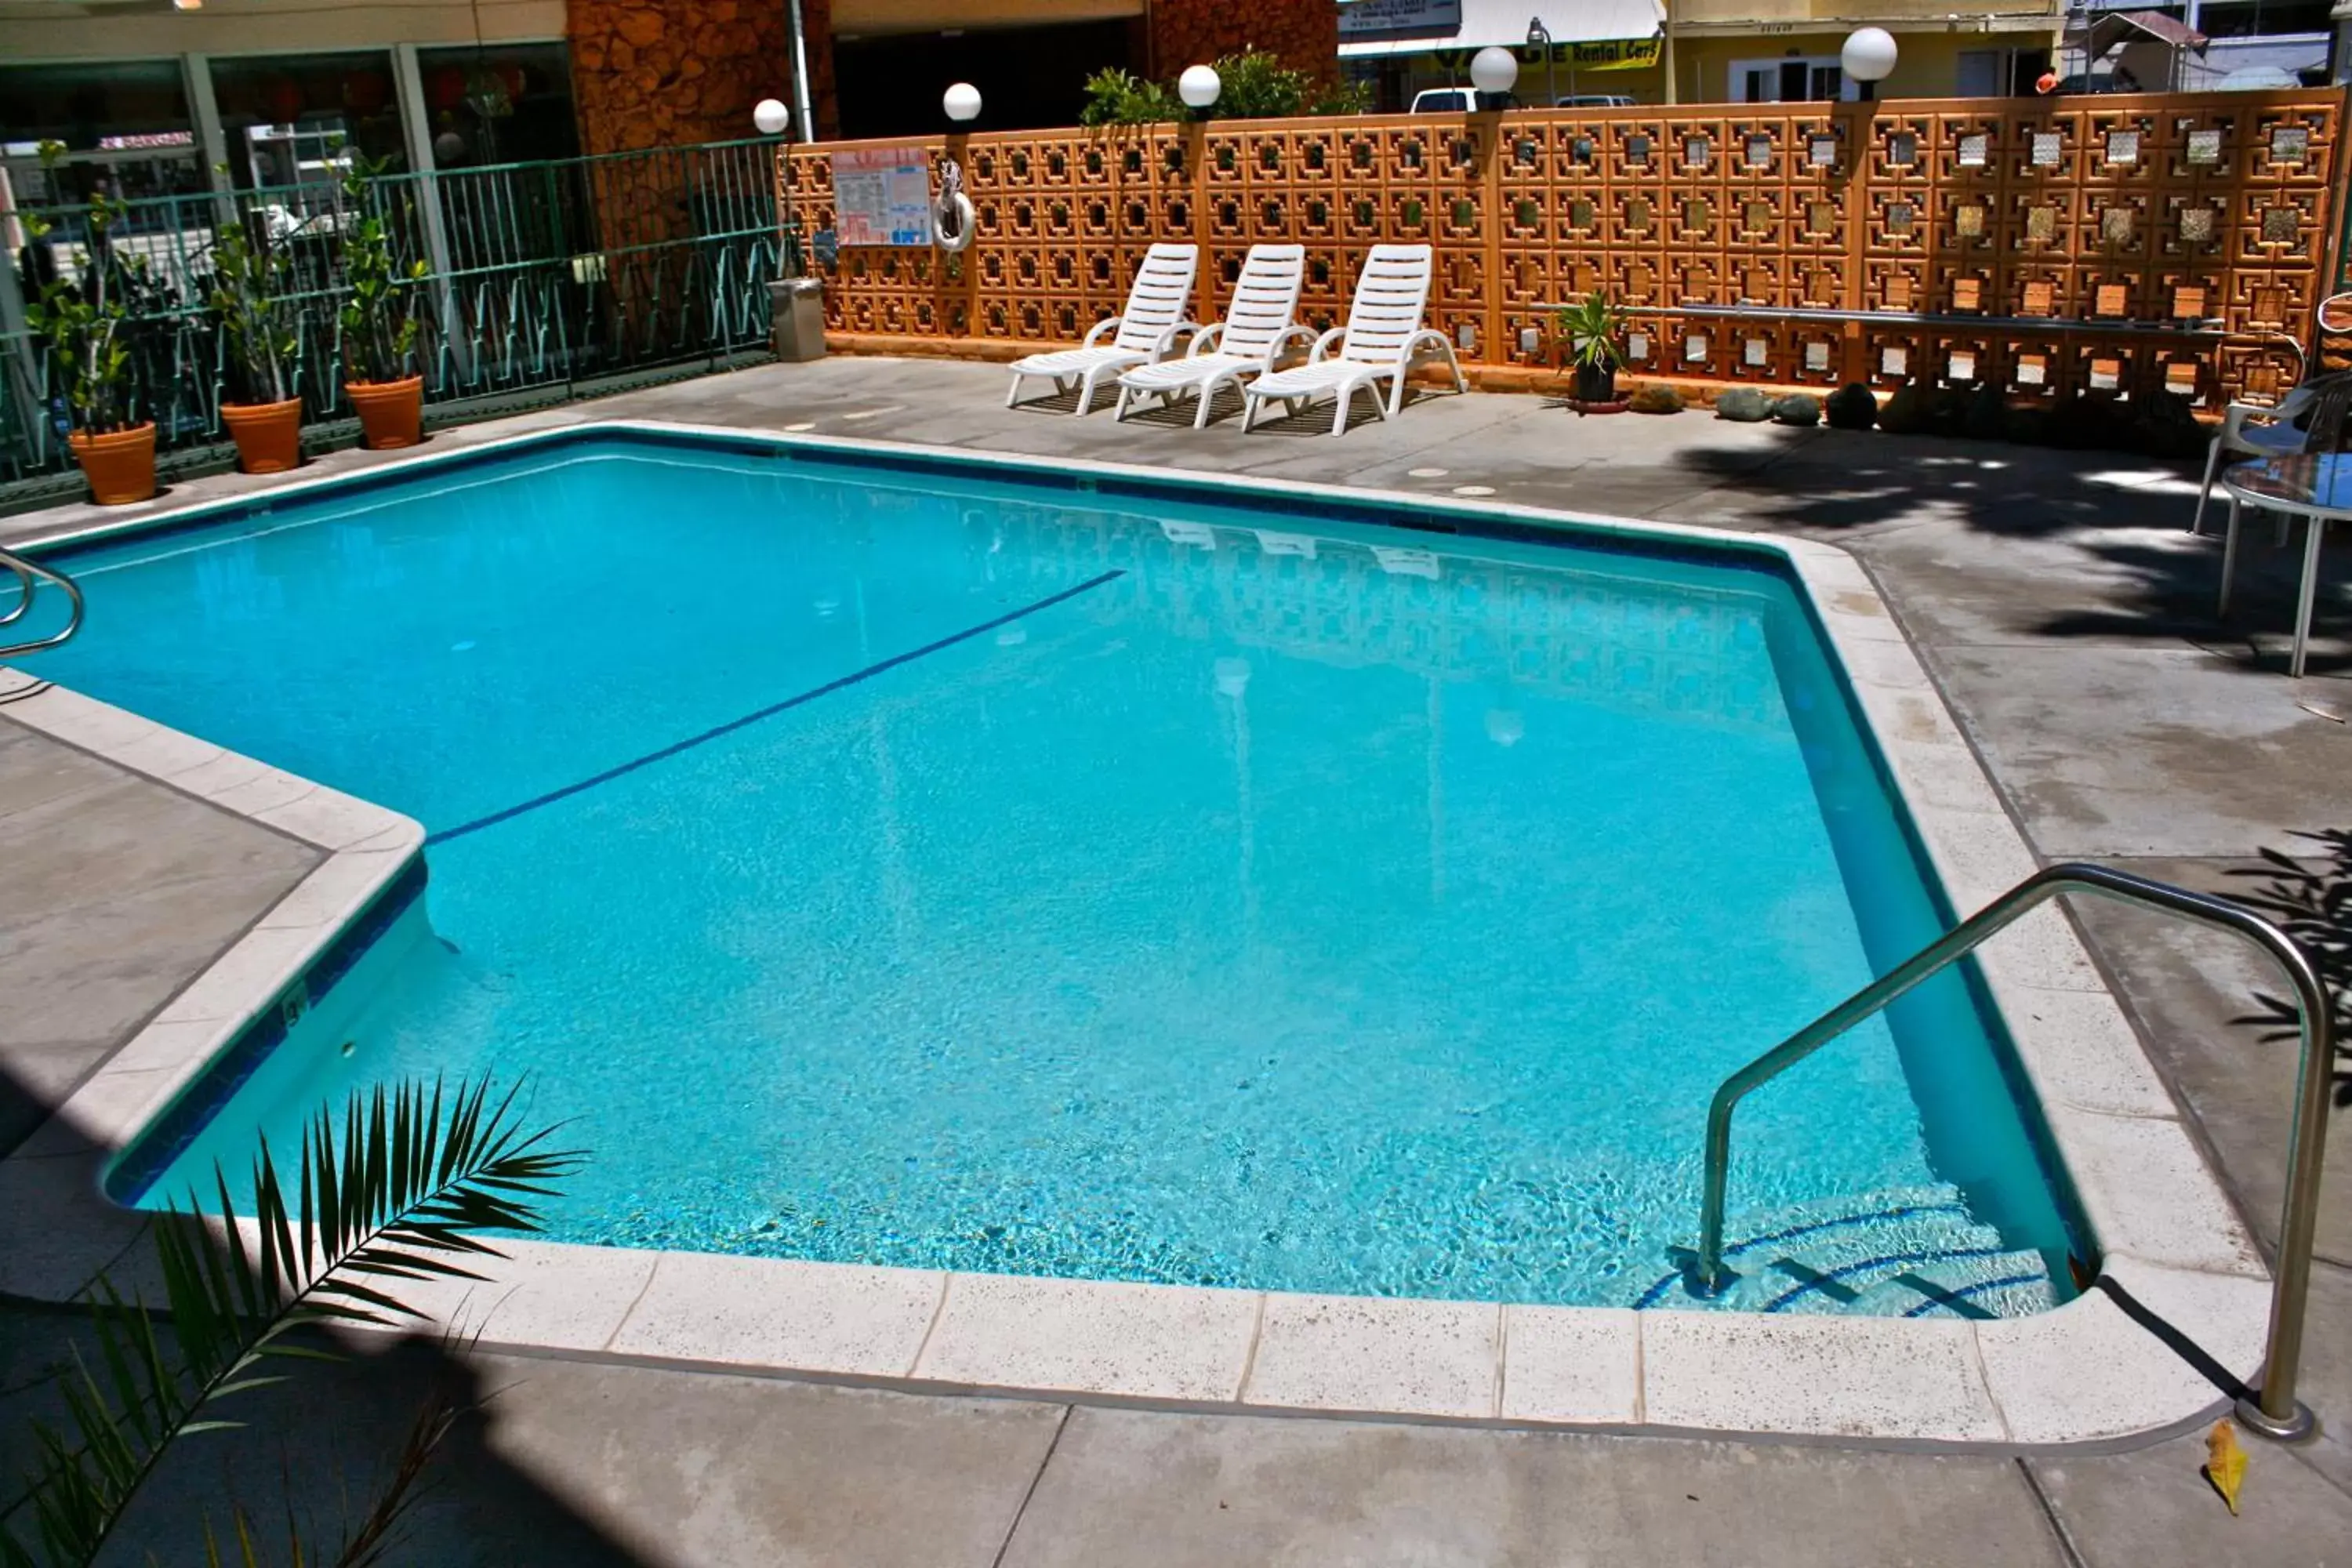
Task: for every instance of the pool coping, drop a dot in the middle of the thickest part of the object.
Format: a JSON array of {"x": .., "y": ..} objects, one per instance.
[{"x": 2167, "y": 1236}]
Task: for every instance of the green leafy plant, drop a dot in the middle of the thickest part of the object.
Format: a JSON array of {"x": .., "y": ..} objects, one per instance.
[
  {"x": 248, "y": 302},
  {"x": 398, "y": 1193},
  {"x": 1121, "y": 97},
  {"x": 1593, "y": 326},
  {"x": 1256, "y": 85},
  {"x": 379, "y": 314},
  {"x": 1343, "y": 98},
  {"x": 83, "y": 319}
]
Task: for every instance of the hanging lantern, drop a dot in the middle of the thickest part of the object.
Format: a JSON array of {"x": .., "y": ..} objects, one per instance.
[
  {"x": 282, "y": 97},
  {"x": 446, "y": 87},
  {"x": 512, "y": 76},
  {"x": 365, "y": 92}
]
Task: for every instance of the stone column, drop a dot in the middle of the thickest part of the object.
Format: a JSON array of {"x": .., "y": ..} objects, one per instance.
[
  {"x": 1305, "y": 33},
  {"x": 649, "y": 74}
]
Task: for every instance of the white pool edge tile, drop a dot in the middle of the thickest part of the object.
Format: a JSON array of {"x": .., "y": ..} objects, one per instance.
[
  {"x": 364, "y": 847},
  {"x": 1606, "y": 1368}
]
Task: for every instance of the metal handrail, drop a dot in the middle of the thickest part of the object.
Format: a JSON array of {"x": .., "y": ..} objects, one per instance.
[
  {"x": 30, "y": 575},
  {"x": 2274, "y": 1412}
]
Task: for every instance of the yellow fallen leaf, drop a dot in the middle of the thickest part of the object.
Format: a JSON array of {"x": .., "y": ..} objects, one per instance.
[{"x": 2225, "y": 1462}]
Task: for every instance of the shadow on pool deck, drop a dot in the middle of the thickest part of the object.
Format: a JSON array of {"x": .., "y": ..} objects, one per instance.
[
  {"x": 2306, "y": 889},
  {"x": 1826, "y": 484}
]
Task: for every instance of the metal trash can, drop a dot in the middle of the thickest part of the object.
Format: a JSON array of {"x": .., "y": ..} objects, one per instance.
[{"x": 796, "y": 318}]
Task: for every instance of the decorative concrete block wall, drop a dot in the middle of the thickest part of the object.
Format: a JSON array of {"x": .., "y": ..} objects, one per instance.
[{"x": 2100, "y": 244}]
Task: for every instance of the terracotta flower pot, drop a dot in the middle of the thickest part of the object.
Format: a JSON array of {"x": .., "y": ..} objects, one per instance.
[
  {"x": 392, "y": 413},
  {"x": 119, "y": 465},
  {"x": 268, "y": 434}
]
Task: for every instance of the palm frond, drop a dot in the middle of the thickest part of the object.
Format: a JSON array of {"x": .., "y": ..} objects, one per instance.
[{"x": 395, "y": 1197}]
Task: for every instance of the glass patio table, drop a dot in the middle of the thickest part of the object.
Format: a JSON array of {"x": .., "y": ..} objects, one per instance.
[{"x": 2316, "y": 485}]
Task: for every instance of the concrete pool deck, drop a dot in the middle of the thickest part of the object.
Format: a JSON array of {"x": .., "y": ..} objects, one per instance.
[{"x": 2064, "y": 563}]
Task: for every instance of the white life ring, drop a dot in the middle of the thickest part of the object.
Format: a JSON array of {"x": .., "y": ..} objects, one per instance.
[
  {"x": 951, "y": 220},
  {"x": 2336, "y": 313}
]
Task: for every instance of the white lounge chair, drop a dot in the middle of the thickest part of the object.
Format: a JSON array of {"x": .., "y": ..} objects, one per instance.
[
  {"x": 1384, "y": 337},
  {"x": 1256, "y": 328},
  {"x": 1144, "y": 331}
]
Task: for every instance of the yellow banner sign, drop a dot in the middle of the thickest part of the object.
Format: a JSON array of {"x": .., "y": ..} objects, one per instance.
[
  {"x": 1611, "y": 55},
  {"x": 1602, "y": 54}
]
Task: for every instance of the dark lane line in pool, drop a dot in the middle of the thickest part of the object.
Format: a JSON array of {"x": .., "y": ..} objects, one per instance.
[{"x": 770, "y": 711}]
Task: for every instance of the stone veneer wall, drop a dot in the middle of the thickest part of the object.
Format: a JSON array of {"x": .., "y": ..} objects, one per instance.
[
  {"x": 661, "y": 73},
  {"x": 1305, "y": 33}
]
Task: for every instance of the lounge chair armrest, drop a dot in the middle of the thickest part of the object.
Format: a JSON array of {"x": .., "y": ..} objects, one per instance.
[
  {"x": 1325, "y": 345},
  {"x": 1282, "y": 340},
  {"x": 1166, "y": 342},
  {"x": 1412, "y": 346},
  {"x": 1095, "y": 333},
  {"x": 1204, "y": 340}
]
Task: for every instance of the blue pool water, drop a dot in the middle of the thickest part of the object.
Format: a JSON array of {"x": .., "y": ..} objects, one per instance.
[{"x": 903, "y": 864}]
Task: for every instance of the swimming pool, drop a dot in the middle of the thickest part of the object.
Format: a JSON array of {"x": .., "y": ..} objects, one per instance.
[{"x": 911, "y": 863}]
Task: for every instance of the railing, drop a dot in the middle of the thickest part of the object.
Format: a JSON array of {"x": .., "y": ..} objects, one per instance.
[
  {"x": 30, "y": 575},
  {"x": 2274, "y": 1412},
  {"x": 538, "y": 276}
]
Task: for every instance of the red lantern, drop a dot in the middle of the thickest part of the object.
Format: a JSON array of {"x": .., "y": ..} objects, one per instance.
[
  {"x": 446, "y": 87},
  {"x": 512, "y": 76},
  {"x": 365, "y": 92},
  {"x": 282, "y": 97}
]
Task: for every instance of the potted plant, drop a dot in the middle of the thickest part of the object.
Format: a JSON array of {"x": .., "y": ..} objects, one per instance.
[
  {"x": 379, "y": 318},
  {"x": 1595, "y": 326},
  {"x": 248, "y": 303},
  {"x": 82, "y": 318}
]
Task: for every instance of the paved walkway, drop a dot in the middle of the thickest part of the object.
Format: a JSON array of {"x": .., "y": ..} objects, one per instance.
[{"x": 2069, "y": 621}]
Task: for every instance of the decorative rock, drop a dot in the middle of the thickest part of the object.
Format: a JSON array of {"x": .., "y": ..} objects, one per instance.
[
  {"x": 1743, "y": 404},
  {"x": 1798, "y": 408},
  {"x": 1656, "y": 398},
  {"x": 1985, "y": 414},
  {"x": 1908, "y": 413},
  {"x": 1852, "y": 407}
]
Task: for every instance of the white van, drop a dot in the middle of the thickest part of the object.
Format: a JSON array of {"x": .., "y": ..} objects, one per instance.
[{"x": 1456, "y": 100}]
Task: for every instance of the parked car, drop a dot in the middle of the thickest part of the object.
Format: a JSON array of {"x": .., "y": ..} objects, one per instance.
[
  {"x": 1456, "y": 100},
  {"x": 1594, "y": 101}
]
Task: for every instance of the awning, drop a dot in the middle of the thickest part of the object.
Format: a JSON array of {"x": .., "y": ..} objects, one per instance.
[
  {"x": 1369, "y": 29},
  {"x": 2118, "y": 27}
]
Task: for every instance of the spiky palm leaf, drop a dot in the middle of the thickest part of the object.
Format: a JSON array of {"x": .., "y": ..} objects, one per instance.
[{"x": 398, "y": 1196}]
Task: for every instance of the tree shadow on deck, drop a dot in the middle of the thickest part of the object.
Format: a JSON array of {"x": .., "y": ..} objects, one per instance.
[
  {"x": 2142, "y": 574},
  {"x": 313, "y": 1451},
  {"x": 2309, "y": 895}
]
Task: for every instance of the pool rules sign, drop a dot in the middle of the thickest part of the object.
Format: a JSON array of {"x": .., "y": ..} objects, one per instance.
[{"x": 882, "y": 195}]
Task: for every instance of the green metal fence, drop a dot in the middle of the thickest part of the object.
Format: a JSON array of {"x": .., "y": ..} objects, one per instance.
[{"x": 544, "y": 278}]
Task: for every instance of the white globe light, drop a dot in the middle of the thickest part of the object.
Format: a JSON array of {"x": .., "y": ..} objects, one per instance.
[
  {"x": 1868, "y": 55},
  {"x": 770, "y": 116},
  {"x": 447, "y": 148},
  {"x": 1494, "y": 70},
  {"x": 962, "y": 103},
  {"x": 1199, "y": 86}
]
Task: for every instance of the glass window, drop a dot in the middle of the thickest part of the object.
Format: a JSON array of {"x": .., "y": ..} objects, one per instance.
[
  {"x": 125, "y": 122},
  {"x": 504, "y": 103},
  {"x": 292, "y": 119}
]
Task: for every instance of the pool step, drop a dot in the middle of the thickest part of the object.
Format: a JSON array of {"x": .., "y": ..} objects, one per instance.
[{"x": 1906, "y": 1253}]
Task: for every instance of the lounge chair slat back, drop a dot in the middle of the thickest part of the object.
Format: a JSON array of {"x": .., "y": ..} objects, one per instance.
[
  {"x": 1162, "y": 290},
  {"x": 1392, "y": 293},
  {"x": 1264, "y": 299}
]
